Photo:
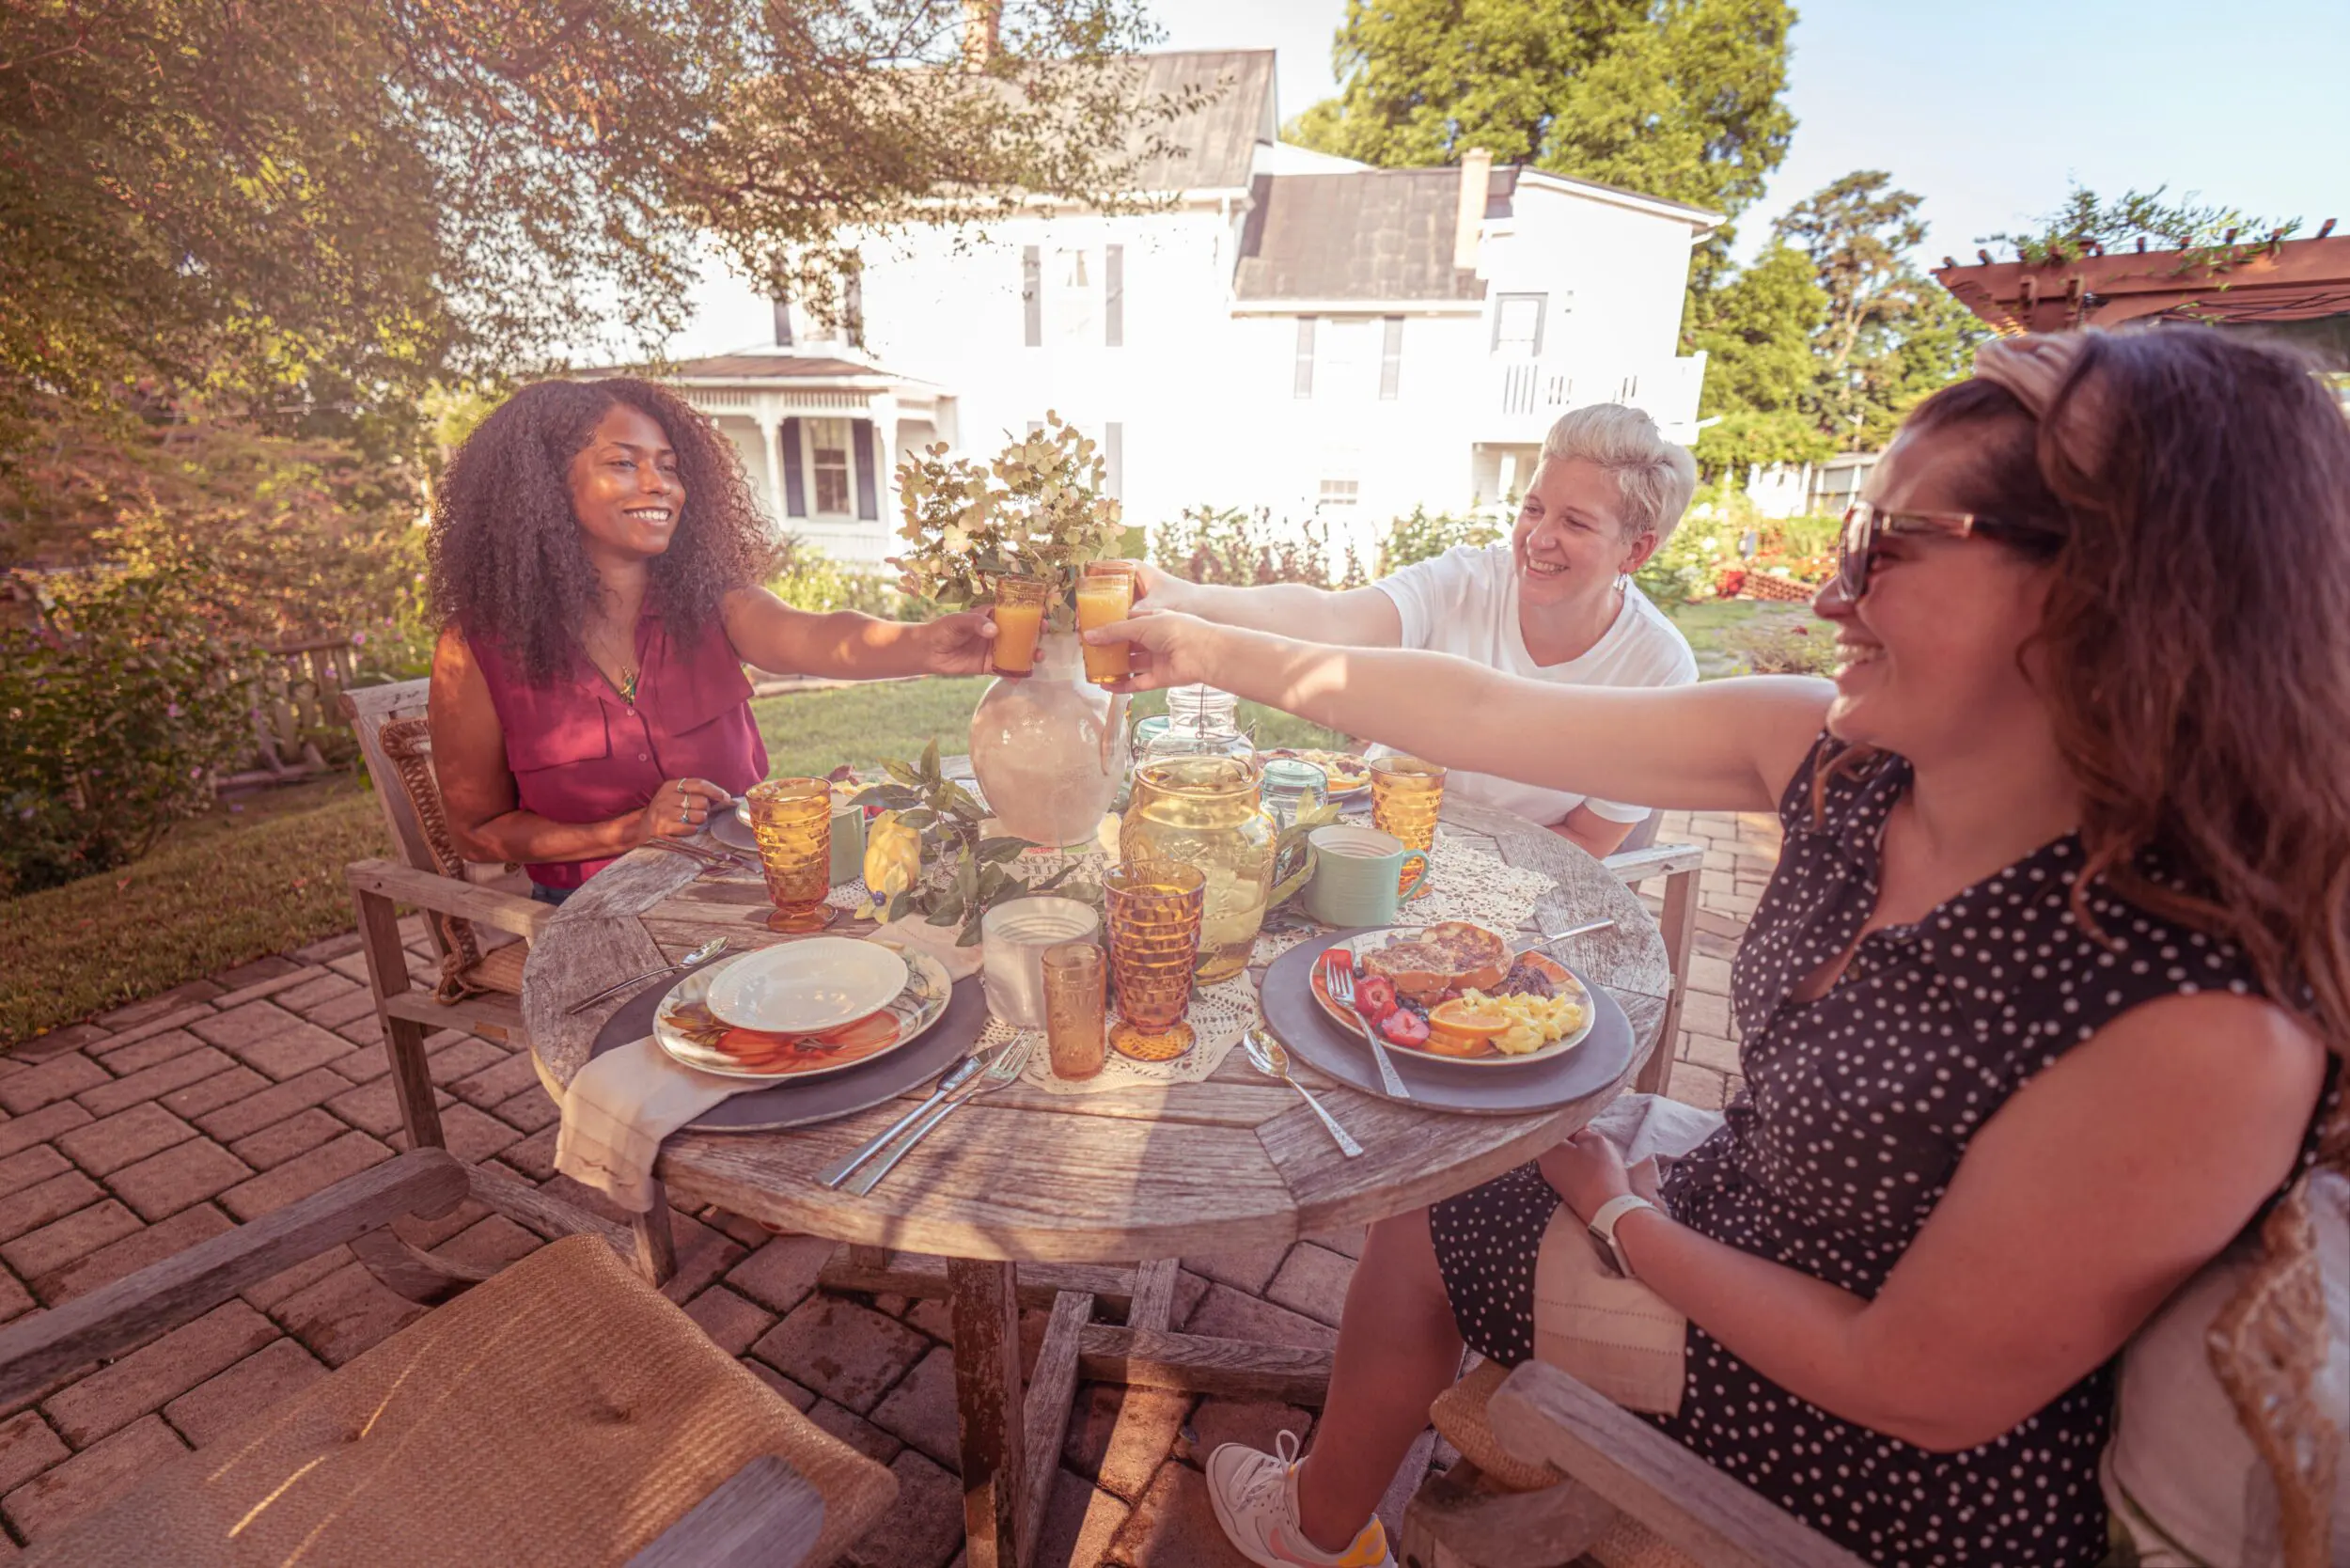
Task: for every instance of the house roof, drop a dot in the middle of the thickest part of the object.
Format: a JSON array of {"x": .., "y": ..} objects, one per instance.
[
  {"x": 768, "y": 367},
  {"x": 1378, "y": 234},
  {"x": 1217, "y": 141}
]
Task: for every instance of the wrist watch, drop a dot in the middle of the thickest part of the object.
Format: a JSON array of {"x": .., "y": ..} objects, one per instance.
[{"x": 1602, "y": 1226}]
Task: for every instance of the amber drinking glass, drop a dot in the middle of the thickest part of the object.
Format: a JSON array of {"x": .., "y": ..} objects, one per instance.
[
  {"x": 792, "y": 819},
  {"x": 1019, "y": 617},
  {"x": 1154, "y": 909},
  {"x": 1405, "y": 796},
  {"x": 1076, "y": 978},
  {"x": 1106, "y": 593}
]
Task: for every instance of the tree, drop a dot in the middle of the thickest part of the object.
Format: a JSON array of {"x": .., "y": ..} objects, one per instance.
[
  {"x": 1677, "y": 99},
  {"x": 1889, "y": 334},
  {"x": 306, "y": 204},
  {"x": 2085, "y": 221},
  {"x": 1755, "y": 329}
]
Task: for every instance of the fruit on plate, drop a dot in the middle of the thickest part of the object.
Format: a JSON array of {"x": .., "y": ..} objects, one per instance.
[
  {"x": 1374, "y": 996},
  {"x": 1451, "y": 955},
  {"x": 1404, "y": 1027}
]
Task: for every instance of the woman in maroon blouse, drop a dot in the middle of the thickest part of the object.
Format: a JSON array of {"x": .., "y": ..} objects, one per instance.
[{"x": 596, "y": 559}]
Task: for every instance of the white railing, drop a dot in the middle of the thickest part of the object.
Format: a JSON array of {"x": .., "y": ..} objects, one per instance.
[{"x": 1529, "y": 394}]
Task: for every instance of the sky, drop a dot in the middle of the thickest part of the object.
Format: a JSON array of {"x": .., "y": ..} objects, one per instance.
[{"x": 1989, "y": 110}]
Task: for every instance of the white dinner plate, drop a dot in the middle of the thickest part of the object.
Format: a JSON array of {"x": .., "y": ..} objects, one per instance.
[
  {"x": 819, "y": 982},
  {"x": 685, "y": 1027},
  {"x": 1562, "y": 979}
]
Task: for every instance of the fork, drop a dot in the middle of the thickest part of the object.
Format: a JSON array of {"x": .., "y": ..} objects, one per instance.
[
  {"x": 1003, "y": 1070},
  {"x": 1338, "y": 972}
]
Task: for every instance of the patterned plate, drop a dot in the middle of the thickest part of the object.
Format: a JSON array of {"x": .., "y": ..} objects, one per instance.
[
  {"x": 688, "y": 1030},
  {"x": 1346, "y": 773},
  {"x": 1561, "y": 980}
]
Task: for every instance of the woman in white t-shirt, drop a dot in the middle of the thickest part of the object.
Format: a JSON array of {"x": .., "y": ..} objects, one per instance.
[{"x": 1557, "y": 602}]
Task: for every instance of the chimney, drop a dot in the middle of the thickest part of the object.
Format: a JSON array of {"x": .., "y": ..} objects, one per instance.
[
  {"x": 1477, "y": 170},
  {"x": 983, "y": 24}
]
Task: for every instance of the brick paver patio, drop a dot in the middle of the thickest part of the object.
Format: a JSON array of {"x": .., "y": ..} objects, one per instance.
[{"x": 130, "y": 1137}]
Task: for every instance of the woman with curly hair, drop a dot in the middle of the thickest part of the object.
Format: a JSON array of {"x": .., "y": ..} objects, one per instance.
[{"x": 595, "y": 563}]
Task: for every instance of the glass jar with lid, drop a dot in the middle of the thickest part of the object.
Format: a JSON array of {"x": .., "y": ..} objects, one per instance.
[
  {"x": 1201, "y": 721},
  {"x": 1203, "y": 811}
]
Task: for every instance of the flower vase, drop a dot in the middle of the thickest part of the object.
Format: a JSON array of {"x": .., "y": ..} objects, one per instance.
[{"x": 1047, "y": 755}]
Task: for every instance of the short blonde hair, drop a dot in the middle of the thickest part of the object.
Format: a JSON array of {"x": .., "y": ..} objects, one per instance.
[{"x": 1656, "y": 476}]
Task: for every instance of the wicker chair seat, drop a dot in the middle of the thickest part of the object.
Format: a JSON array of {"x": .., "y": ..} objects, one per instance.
[{"x": 562, "y": 1412}]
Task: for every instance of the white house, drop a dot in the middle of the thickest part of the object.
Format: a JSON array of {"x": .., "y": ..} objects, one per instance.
[{"x": 1282, "y": 329}]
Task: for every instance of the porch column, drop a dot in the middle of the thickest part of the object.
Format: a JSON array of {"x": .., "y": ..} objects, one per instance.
[{"x": 771, "y": 444}]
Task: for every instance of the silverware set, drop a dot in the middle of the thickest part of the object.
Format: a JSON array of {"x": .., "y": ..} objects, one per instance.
[
  {"x": 707, "y": 856},
  {"x": 984, "y": 1072},
  {"x": 1338, "y": 973}
]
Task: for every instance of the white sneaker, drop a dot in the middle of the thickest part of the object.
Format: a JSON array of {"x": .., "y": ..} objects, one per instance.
[{"x": 1256, "y": 1501}]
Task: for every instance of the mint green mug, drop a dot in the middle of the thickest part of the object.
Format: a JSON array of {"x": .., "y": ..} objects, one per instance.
[{"x": 1360, "y": 876}]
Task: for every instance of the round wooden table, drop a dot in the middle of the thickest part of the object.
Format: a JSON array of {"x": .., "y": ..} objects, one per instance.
[{"x": 1065, "y": 1185}]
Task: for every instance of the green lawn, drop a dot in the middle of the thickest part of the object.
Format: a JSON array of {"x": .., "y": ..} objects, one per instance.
[{"x": 264, "y": 875}]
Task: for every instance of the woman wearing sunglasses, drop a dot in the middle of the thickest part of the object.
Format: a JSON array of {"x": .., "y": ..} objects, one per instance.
[{"x": 2037, "y": 1012}]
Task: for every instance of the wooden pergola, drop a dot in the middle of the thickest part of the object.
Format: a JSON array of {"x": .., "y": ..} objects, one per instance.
[{"x": 2298, "y": 289}]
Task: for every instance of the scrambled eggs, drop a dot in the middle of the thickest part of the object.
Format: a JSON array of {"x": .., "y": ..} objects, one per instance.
[{"x": 1534, "y": 1021}]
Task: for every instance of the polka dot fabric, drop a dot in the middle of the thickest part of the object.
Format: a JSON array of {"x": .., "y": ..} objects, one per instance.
[{"x": 1856, "y": 1111}]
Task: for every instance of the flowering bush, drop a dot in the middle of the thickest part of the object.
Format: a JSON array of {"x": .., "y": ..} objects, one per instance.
[
  {"x": 118, "y": 711},
  {"x": 1038, "y": 510},
  {"x": 1212, "y": 544}
]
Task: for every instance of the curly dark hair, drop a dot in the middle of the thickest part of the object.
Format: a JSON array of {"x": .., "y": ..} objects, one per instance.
[{"x": 507, "y": 560}]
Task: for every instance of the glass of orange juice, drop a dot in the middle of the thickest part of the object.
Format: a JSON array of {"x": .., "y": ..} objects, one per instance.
[
  {"x": 1105, "y": 593},
  {"x": 1019, "y": 616}
]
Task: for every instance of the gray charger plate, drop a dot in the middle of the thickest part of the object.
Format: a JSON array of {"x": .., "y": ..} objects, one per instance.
[
  {"x": 1298, "y": 1021},
  {"x": 800, "y": 1102}
]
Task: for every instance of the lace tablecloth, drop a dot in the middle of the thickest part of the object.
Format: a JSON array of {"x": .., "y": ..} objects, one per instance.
[{"x": 1465, "y": 884}]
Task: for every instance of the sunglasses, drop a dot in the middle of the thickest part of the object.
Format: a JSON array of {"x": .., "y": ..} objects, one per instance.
[{"x": 1866, "y": 524}]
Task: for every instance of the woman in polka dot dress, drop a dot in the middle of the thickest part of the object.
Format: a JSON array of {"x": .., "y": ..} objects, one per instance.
[{"x": 2038, "y": 1011}]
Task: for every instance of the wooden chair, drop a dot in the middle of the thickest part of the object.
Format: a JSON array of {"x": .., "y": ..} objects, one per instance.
[
  {"x": 1551, "y": 1471},
  {"x": 561, "y": 1411},
  {"x": 480, "y": 982},
  {"x": 1640, "y": 858}
]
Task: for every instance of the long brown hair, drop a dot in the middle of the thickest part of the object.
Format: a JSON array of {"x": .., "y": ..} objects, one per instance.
[
  {"x": 2196, "y": 646},
  {"x": 507, "y": 560}
]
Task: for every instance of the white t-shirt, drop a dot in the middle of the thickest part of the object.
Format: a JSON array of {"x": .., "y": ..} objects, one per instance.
[{"x": 1465, "y": 602}]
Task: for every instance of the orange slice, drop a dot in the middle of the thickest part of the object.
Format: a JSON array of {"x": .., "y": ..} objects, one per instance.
[
  {"x": 1466, "y": 1018},
  {"x": 1445, "y": 1043}
]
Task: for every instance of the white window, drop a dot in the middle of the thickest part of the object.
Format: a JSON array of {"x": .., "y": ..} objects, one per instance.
[
  {"x": 828, "y": 461},
  {"x": 1350, "y": 359},
  {"x": 1074, "y": 290},
  {"x": 1518, "y": 325},
  {"x": 1341, "y": 487}
]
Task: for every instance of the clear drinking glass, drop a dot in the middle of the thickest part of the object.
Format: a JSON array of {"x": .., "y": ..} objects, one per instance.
[
  {"x": 1407, "y": 795},
  {"x": 792, "y": 819},
  {"x": 1019, "y": 617},
  {"x": 1105, "y": 593},
  {"x": 1075, "y": 1012},
  {"x": 1154, "y": 908}
]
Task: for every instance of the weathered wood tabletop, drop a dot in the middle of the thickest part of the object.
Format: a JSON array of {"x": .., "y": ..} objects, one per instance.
[{"x": 1063, "y": 1184}]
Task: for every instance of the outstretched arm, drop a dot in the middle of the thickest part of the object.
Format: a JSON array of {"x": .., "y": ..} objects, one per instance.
[
  {"x": 1352, "y": 617},
  {"x": 844, "y": 645},
  {"x": 1720, "y": 745}
]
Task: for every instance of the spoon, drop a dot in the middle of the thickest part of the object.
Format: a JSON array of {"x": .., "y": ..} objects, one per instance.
[
  {"x": 702, "y": 954},
  {"x": 1267, "y": 1055}
]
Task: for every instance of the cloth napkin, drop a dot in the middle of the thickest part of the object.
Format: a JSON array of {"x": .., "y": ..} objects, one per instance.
[
  {"x": 1616, "y": 1333},
  {"x": 917, "y": 934},
  {"x": 618, "y": 1108}
]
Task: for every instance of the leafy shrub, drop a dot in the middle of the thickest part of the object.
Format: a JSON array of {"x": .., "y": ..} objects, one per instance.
[
  {"x": 813, "y": 581},
  {"x": 1242, "y": 549},
  {"x": 1425, "y": 534},
  {"x": 119, "y": 711}
]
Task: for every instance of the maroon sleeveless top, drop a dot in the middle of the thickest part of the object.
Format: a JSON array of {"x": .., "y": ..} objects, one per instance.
[{"x": 582, "y": 753}]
